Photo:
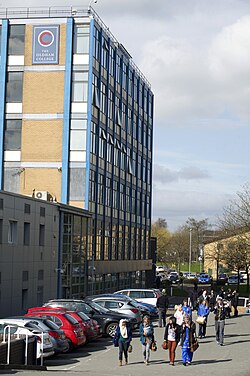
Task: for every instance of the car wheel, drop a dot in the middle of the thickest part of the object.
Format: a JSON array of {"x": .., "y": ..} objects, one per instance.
[
  {"x": 71, "y": 347},
  {"x": 111, "y": 328}
]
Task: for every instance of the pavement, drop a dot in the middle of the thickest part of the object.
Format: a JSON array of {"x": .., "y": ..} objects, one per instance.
[{"x": 100, "y": 358}]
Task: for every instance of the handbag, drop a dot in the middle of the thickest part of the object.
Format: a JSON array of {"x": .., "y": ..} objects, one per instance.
[
  {"x": 154, "y": 346},
  {"x": 130, "y": 348},
  {"x": 200, "y": 320},
  {"x": 194, "y": 346},
  {"x": 164, "y": 345}
]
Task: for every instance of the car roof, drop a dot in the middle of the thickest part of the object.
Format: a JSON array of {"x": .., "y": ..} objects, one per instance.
[{"x": 138, "y": 290}]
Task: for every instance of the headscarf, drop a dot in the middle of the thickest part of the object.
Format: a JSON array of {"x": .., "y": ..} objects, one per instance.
[{"x": 123, "y": 329}]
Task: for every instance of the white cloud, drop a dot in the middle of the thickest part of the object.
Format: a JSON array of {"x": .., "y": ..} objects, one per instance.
[{"x": 163, "y": 174}]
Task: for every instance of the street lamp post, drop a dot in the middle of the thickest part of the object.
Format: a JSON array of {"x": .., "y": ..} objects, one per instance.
[{"x": 190, "y": 250}]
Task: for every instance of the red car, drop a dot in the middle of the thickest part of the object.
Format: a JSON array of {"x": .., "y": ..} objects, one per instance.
[
  {"x": 65, "y": 321},
  {"x": 89, "y": 326}
]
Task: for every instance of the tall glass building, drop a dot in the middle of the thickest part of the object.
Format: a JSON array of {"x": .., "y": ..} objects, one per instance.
[{"x": 76, "y": 125}]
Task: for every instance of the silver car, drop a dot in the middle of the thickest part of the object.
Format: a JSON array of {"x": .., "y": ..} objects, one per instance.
[{"x": 120, "y": 305}]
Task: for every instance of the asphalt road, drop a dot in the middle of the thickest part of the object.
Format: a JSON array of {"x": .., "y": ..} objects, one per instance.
[{"x": 101, "y": 358}]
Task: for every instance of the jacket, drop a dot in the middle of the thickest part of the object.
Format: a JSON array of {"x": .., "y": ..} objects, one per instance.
[
  {"x": 177, "y": 333},
  {"x": 118, "y": 335},
  {"x": 162, "y": 302},
  {"x": 150, "y": 333},
  {"x": 187, "y": 310},
  {"x": 220, "y": 313},
  {"x": 203, "y": 310},
  {"x": 191, "y": 334}
]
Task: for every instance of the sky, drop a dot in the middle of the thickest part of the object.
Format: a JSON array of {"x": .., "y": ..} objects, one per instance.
[{"x": 196, "y": 55}]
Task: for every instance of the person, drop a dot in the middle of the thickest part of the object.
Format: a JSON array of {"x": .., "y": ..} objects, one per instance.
[
  {"x": 179, "y": 314},
  {"x": 212, "y": 300},
  {"x": 122, "y": 339},
  {"x": 220, "y": 315},
  {"x": 187, "y": 338},
  {"x": 146, "y": 331},
  {"x": 203, "y": 311},
  {"x": 221, "y": 293},
  {"x": 172, "y": 336},
  {"x": 162, "y": 305},
  {"x": 158, "y": 281},
  {"x": 228, "y": 302},
  {"x": 187, "y": 310},
  {"x": 235, "y": 302}
]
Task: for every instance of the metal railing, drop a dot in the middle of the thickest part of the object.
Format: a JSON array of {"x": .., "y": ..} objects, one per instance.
[{"x": 18, "y": 335}]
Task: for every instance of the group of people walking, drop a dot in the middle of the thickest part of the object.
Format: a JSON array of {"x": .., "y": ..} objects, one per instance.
[{"x": 180, "y": 329}]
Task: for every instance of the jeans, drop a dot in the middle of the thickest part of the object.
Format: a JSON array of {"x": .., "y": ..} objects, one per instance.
[
  {"x": 186, "y": 355},
  {"x": 162, "y": 317},
  {"x": 171, "y": 348},
  {"x": 123, "y": 348},
  {"x": 202, "y": 329},
  {"x": 146, "y": 351},
  {"x": 219, "y": 331}
]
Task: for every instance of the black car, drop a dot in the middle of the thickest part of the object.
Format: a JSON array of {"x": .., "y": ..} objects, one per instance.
[
  {"x": 108, "y": 320},
  {"x": 222, "y": 278}
]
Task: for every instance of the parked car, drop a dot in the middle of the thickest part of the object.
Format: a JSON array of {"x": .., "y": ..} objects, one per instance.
[
  {"x": 65, "y": 321},
  {"x": 56, "y": 334},
  {"x": 222, "y": 278},
  {"x": 173, "y": 277},
  {"x": 144, "y": 308},
  {"x": 233, "y": 279},
  {"x": 204, "y": 278},
  {"x": 90, "y": 326},
  {"x": 142, "y": 295},
  {"x": 191, "y": 276},
  {"x": 19, "y": 327},
  {"x": 108, "y": 320},
  {"x": 120, "y": 305}
]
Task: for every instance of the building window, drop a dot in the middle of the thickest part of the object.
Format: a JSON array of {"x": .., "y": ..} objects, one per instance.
[
  {"x": 12, "y": 232},
  {"x": 25, "y": 276},
  {"x": 24, "y": 299},
  {"x": 1, "y": 231},
  {"x": 26, "y": 208},
  {"x": 40, "y": 275},
  {"x": 81, "y": 40},
  {"x": 80, "y": 87},
  {"x": 78, "y": 140},
  {"x": 16, "y": 40},
  {"x": 41, "y": 235},
  {"x": 1, "y": 203},
  {"x": 42, "y": 212},
  {"x": 40, "y": 296},
  {"x": 12, "y": 138},
  {"x": 77, "y": 184},
  {"x": 14, "y": 87},
  {"x": 26, "y": 233}
]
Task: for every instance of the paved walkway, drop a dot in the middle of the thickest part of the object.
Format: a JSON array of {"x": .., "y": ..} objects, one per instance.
[{"x": 101, "y": 358}]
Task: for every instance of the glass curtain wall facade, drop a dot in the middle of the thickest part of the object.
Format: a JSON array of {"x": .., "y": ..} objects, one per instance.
[{"x": 91, "y": 110}]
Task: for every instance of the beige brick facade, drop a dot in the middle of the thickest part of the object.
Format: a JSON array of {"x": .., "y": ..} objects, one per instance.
[
  {"x": 42, "y": 141},
  {"x": 43, "y": 92},
  {"x": 41, "y": 179},
  {"x": 77, "y": 204}
]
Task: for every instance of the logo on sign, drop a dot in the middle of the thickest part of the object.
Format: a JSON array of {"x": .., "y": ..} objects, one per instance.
[
  {"x": 45, "y": 44},
  {"x": 46, "y": 38}
]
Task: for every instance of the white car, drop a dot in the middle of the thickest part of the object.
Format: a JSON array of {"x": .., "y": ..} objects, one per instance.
[
  {"x": 142, "y": 295},
  {"x": 19, "y": 328}
]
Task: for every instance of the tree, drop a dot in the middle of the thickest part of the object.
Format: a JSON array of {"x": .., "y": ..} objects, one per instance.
[
  {"x": 177, "y": 249},
  {"x": 236, "y": 255},
  {"x": 160, "y": 231},
  {"x": 235, "y": 222},
  {"x": 198, "y": 230}
]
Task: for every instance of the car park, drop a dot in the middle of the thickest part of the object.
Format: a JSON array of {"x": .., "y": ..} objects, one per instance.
[
  {"x": 204, "y": 278},
  {"x": 142, "y": 295},
  {"x": 65, "y": 321},
  {"x": 19, "y": 327},
  {"x": 108, "y": 320}
]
